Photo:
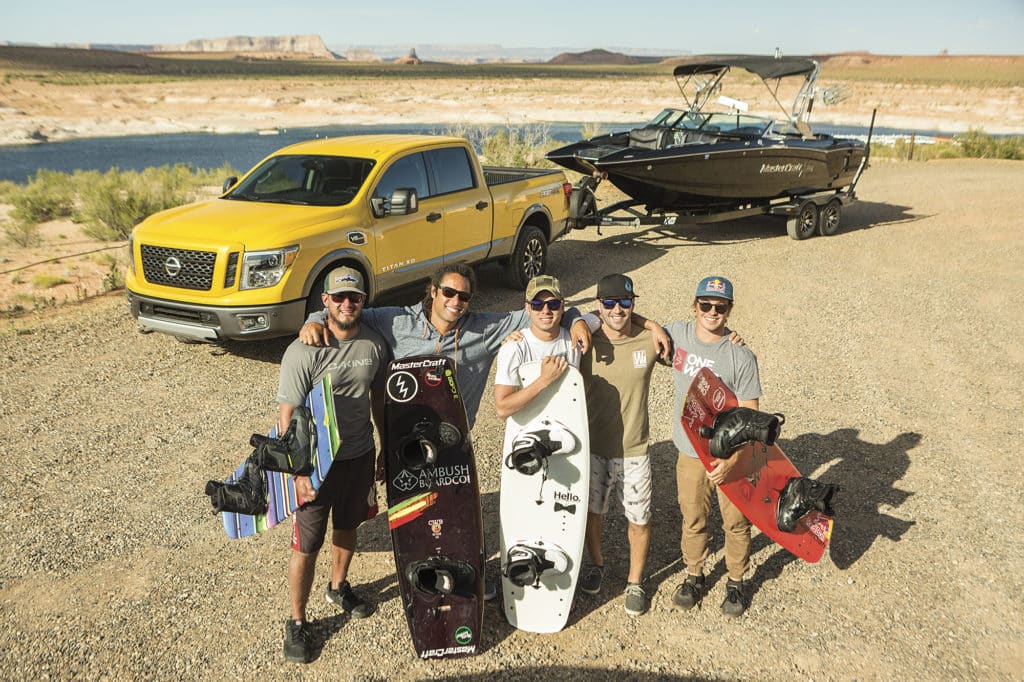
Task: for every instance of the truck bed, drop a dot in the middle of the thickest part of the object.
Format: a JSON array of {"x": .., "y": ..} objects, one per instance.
[{"x": 499, "y": 175}]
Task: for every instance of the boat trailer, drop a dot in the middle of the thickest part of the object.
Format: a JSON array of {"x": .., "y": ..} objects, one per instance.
[{"x": 806, "y": 214}]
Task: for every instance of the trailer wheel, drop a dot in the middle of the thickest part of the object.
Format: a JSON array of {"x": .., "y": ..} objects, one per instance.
[
  {"x": 529, "y": 258},
  {"x": 805, "y": 223},
  {"x": 828, "y": 221}
]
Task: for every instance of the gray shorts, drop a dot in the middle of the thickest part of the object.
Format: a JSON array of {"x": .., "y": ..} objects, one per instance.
[{"x": 630, "y": 477}]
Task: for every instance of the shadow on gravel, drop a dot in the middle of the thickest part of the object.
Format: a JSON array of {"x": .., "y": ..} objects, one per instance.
[
  {"x": 867, "y": 215},
  {"x": 867, "y": 473}
]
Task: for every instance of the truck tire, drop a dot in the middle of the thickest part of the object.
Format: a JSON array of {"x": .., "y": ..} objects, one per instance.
[{"x": 529, "y": 258}]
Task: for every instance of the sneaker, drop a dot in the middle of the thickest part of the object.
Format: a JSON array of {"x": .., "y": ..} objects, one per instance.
[
  {"x": 688, "y": 593},
  {"x": 734, "y": 604},
  {"x": 346, "y": 599},
  {"x": 590, "y": 581},
  {"x": 490, "y": 586},
  {"x": 636, "y": 599},
  {"x": 296, "y": 642}
]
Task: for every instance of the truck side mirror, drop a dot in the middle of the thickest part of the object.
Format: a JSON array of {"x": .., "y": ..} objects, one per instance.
[
  {"x": 229, "y": 183},
  {"x": 403, "y": 201}
]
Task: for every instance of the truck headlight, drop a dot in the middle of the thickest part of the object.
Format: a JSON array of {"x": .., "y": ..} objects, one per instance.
[{"x": 265, "y": 268}]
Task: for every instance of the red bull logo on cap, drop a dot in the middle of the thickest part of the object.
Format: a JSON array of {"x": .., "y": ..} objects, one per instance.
[{"x": 715, "y": 286}]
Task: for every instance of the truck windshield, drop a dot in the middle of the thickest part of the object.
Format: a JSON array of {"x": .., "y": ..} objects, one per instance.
[{"x": 304, "y": 179}]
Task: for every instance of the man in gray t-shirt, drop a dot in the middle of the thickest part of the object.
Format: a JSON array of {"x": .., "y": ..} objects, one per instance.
[
  {"x": 704, "y": 342},
  {"x": 356, "y": 358}
]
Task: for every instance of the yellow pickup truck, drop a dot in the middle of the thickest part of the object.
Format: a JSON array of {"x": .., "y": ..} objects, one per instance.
[{"x": 250, "y": 264}]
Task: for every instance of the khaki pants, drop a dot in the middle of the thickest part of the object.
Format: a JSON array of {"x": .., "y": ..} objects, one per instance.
[{"x": 694, "y": 490}]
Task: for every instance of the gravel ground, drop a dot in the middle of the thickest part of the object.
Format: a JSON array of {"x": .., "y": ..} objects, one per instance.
[{"x": 893, "y": 348}]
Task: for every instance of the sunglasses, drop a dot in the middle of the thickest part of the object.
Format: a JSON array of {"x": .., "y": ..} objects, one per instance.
[
  {"x": 720, "y": 308},
  {"x": 552, "y": 304},
  {"x": 609, "y": 303},
  {"x": 448, "y": 292},
  {"x": 357, "y": 299}
]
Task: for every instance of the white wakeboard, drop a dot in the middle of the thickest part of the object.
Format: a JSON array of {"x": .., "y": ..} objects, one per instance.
[{"x": 544, "y": 513}]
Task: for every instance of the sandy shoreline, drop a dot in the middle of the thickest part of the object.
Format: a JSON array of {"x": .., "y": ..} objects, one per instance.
[{"x": 31, "y": 112}]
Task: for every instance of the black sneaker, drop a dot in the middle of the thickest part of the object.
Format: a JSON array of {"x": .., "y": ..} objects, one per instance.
[
  {"x": 734, "y": 604},
  {"x": 688, "y": 593},
  {"x": 296, "y": 642},
  {"x": 347, "y": 600},
  {"x": 591, "y": 579}
]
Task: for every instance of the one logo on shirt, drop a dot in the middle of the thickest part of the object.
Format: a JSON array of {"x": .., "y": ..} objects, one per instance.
[
  {"x": 402, "y": 387},
  {"x": 689, "y": 364},
  {"x": 640, "y": 359}
]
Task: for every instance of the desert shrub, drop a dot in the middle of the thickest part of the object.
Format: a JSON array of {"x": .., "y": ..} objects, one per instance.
[
  {"x": 7, "y": 191},
  {"x": 518, "y": 146},
  {"x": 44, "y": 281},
  {"x": 114, "y": 202},
  {"x": 47, "y": 196},
  {"x": 22, "y": 233},
  {"x": 589, "y": 130}
]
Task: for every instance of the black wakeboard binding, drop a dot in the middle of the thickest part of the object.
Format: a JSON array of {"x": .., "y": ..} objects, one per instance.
[
  {"x": 737, "y": 426},
  {"x": 291, "y": 452},
  {"x": 439, "y": 575},
  {"x": 536, "y": 443},
  {"x": 800, "y": 496},
  {"x": 246, "y": 495}
]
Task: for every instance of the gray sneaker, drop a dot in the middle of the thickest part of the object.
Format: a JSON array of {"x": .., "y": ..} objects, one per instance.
[
  {"x": 688, "y": 593},
  {"x": 591, "y": 579},
  {"x": 636, "y": 599},
  {"x": 735, "y": 602},
  {"x": 347, "y": 600}
]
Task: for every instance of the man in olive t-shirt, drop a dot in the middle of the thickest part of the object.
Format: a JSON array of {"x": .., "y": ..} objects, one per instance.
[{"x": 617, "y": 375}]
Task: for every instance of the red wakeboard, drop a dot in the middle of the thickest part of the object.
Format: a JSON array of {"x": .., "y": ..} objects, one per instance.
[{"x": 757, "y": 480}]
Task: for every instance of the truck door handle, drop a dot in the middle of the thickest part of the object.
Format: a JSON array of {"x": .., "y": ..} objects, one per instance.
[
  {"x": 433, "y": 217},
  {"x": 481, "y": 205}
]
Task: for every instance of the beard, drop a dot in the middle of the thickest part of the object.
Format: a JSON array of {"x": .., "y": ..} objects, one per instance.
[{"x": 345, "y": 326}]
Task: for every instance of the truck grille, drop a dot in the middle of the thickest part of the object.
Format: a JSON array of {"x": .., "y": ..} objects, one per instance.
[{"x": 191, "y": 269}]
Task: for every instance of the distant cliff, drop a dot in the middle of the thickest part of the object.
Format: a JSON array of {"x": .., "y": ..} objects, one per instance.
[{"x": 311, "y": 45}]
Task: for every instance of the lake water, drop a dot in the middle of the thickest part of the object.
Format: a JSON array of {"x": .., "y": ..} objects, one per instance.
[{"x": 243, "y": 150}]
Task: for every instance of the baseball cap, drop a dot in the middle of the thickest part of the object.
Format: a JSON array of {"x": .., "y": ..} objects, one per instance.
[
  {"x": 543, "y": 283},
  {"x": 714, "y": 287},
  {"x": 615, "y": 286},
  {"x": 344, "y": 279}
]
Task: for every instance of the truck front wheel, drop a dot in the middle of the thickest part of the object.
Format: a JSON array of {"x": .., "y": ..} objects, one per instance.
[{"x": 529, "y": 258}]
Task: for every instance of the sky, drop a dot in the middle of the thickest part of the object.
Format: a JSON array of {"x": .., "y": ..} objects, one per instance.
[{"x": 745, "y": 26}]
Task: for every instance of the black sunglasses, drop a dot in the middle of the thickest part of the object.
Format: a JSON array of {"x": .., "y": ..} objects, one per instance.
[
  {"x": 340, "y": 297},
  {"x": 552, "y": 304},
  {"x": 609, "y": 303},
  {"x": 720, "y": 308},
  {"x": 448, "y": 292}
]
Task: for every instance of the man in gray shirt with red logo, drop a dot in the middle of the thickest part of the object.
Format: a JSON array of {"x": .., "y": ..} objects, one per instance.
[
  {"x": 704, "y": 342},
  {"x": 356, "y": 357}
]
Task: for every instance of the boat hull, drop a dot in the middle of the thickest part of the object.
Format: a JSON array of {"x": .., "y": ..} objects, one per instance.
[{"x": 710, "y": 175}]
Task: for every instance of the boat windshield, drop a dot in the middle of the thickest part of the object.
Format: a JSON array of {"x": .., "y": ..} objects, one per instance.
[
  {"x": 304, "y": 179},
  {"x": 679, "y": 118},
  {"x": 736, "y": 124}
]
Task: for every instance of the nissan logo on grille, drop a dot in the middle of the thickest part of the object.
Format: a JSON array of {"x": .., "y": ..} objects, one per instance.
[{"x": 172, "y": 266}]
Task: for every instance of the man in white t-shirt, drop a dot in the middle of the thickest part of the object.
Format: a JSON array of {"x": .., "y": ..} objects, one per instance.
[{"x": 543, "y": 340}]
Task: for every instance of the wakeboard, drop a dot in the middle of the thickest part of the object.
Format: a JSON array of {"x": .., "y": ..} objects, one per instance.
[
  {"x": 757, "y": 481},
  {"x": 545, "y": 487},
  {"x": 434, "y": 507},
  {"x": 280, "y": 487}
]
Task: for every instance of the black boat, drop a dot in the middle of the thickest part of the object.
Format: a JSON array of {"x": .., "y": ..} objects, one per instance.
[{"x": 692, "y": 158}]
